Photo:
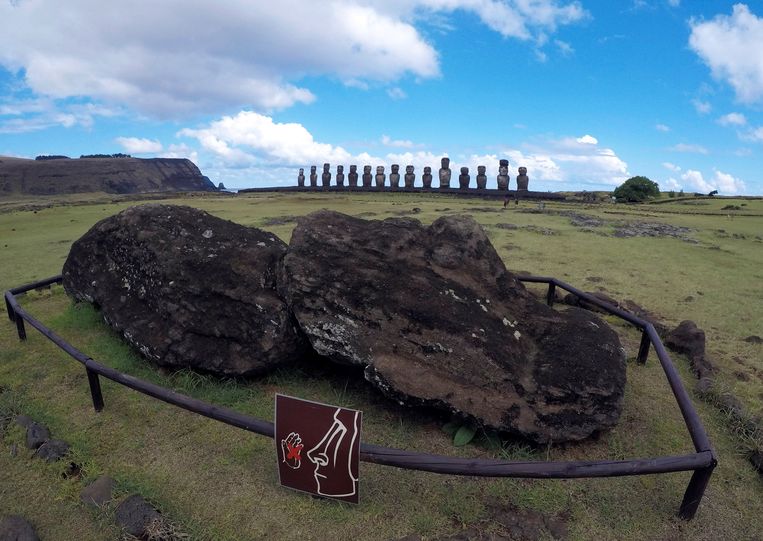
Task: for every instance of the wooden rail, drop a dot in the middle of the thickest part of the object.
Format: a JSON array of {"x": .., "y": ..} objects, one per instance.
[{"x": 702, "y": 462}]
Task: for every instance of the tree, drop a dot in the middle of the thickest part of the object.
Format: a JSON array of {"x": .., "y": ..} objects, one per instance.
[{"x": 636, "y": 189}]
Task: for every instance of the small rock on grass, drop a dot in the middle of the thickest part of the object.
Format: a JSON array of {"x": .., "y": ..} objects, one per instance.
[
  {"x": 98, "y": 492},
  {"x": 36, "y": 435},
  {"x": 52, "y": 450},
  {"x": 134, "y": 514},
  {"x": 754, "y": 339},
  {"x": 16, "y": 528}
]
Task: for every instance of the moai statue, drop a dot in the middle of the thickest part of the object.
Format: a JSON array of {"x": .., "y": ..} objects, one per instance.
[
  {"x": 464, "y": 178},
  {"x": 380, "y": 176},
  {"x": 522, "y": 180},
  {"x": 503, "y": 175},
  {"x": 445, "y": 173},
  {"x": 481, "y": 177},
  {"x": 313, "y": 176},
  {"x": 326, "y": 176},
  {"x": 394, "y": 176},
  {"x": 410, "y": 178},
  {"x": 366, "y": 176},
  {"x": 352, "y": 178},
  {"x": 340, "y": 175},
  {"x": 426, "y": 178},
  {"x": 301, "y": 177}
]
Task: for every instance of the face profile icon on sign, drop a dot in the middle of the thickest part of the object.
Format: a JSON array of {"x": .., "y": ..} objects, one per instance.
[
  {"x": 332, "y": 456},
  {"x": 318, "y": 447}
]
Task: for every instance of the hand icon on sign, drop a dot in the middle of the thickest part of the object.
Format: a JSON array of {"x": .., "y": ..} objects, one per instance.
[{"x": 291, "y": 448}]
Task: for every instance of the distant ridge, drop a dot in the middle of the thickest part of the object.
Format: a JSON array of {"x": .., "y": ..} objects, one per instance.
[{"x": 109, "y": 175}]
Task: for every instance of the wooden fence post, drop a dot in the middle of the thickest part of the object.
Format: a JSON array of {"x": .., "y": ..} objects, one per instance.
[
  {"x": 694, "y": 492},
  {"x": 643, "y": 350},
  {"x": 95, "y": 389},
  {"x": 551, "y": 295},
  {"x": 10, "y": 310},
  {"x": 20, "y": 327}
]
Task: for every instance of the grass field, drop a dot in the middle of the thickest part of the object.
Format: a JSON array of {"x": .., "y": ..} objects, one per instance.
[{"x": 217, "y": 482}]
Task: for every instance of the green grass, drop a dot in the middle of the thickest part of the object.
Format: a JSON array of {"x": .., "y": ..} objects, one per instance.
[{"x": 218, "y": 482}]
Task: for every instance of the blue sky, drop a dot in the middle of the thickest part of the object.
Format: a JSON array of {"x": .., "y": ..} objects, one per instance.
[{"x": 583, "y": 93}]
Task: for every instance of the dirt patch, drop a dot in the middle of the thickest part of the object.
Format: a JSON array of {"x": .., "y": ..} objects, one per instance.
[
  {"x": 512, "y": 523},
  {"x": 653, "y": 229}
]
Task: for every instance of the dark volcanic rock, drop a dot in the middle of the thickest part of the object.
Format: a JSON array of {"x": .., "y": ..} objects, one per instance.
[
  {"x": 435, "y": 319},
  {"x": 15, "y": 528},
  {"x": 134, "y": 514},
  {"x": 99, "y": 492},
  {"x": 689, "y": 339},
  {"x": 52, "y": 450},
  {"x": 36, "y": 435},
  {"x": 186, "y": 288},
  {"x": 574, "y": 300}
]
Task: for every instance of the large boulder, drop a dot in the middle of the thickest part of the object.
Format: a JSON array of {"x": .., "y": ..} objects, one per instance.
[
  {"x": 187, "y": 289},
  {"x": 435, "y": 319}
]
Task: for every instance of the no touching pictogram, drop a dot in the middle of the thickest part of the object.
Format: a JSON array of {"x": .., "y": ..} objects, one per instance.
[{"x": 318, "y": 447}]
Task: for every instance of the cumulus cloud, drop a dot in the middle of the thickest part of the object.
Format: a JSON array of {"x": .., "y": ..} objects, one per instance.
[
  {"x": 754, "y": 134},
  {"x": 397, "y": 93},
  {"x": 725, "y": 183},
  {"x": 30, "y": 115},
  {"x": 671, "y": 166},
  {"x": 662, "y": 127},
  {"x": 702, "y": 107},
  {"x": 387, "y": 141},
  {"x": 182, "y": 57},
  {"x": 689, "y": 148},
  {"x": 728, "y": 45},
  {"x": 587, "y": 140},
  {"x": 136, "y": 145},
  {"x": 732, "y": 119}
]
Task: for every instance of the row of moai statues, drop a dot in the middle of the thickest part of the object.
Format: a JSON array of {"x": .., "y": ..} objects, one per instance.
[{"x": 409, "y": 177}]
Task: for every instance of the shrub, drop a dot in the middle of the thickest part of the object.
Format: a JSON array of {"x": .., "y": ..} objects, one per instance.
[{"x": 636, "y": 189}]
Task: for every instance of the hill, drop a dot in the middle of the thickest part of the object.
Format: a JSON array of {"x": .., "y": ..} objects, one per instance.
[{"x": 109, "y": 175}]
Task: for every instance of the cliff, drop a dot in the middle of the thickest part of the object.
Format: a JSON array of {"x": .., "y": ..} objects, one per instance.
[{"x": 109, "y": 175}]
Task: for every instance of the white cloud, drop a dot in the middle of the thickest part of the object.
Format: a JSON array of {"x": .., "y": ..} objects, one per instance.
[
  {"x": 387, "y": 141},
  {"x": 688, "y": 148},
  {"x": 754, "y": 134},
  {"x": 730, "y": 46},
  {"x": 742, "y": 152},
  {"x": 671, "y": 184},
  {"x": 180, "y": 57},
  {"x": 135, "y": 145},
  {"x": 250, "y": 137},
  {"x": 588, "y": 140},
  {"x": 577, "y": 160},
  {"x": 732, "y": 119},
  {"x": 396, "y": 93},
  {"x": 565, "y": 48},
  {"x": 674, "y": 3},
  {"x": 725, "y": 183},
  {"x": 662, "y": 127},
  {"x": 43, "y": 113},
  {"x": 671, "y": 166},
  {"x": 695, "y": 180},
  {"x": 702, "y": 107}
]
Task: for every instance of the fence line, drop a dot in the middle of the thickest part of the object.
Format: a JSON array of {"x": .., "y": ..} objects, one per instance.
[{"x": 702, "y": 462}]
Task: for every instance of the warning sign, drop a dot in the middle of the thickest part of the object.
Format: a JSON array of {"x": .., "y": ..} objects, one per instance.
[{"x": 318, "y": 447}]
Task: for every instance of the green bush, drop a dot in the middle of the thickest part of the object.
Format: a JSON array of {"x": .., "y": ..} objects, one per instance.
[{"x": 636, "y": 189}]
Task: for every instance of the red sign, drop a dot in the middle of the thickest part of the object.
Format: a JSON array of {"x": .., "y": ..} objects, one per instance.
[{"x": 318, "y": 447}]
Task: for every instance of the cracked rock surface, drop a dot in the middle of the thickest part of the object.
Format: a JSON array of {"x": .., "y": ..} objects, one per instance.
[
  {"x": 435, "y": 318},
  {"x": 187, "y": 289}
]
